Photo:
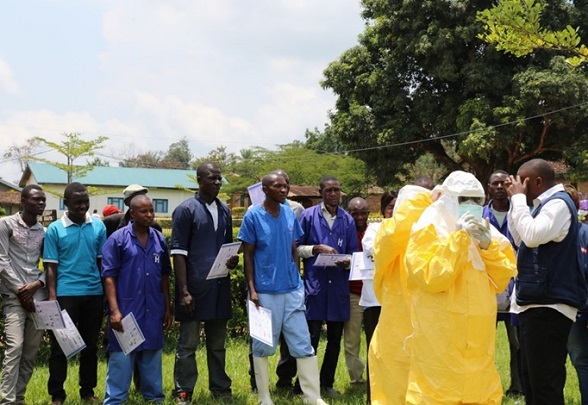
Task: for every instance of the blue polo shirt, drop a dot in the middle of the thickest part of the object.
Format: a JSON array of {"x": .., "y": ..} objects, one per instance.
[
  {"x": 275, "y": 270},
  {"x": 138, "y": 273},
  {"x": 75, "y": 249}
]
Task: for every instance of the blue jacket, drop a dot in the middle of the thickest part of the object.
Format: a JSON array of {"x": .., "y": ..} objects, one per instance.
[
  {"x": 550, "y": 273},
  {"x": 327, "y": 288}
]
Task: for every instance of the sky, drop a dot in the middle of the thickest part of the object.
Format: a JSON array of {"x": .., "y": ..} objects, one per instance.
[{"x": 147, "y": 73}]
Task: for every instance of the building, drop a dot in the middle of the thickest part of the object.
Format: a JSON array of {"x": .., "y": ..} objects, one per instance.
[
  {"x": 9, "y": 197},
  {"x": 167, "y": 187}
]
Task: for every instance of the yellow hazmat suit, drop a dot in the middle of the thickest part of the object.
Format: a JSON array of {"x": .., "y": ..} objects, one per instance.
[
  {"x": 388, "y": 357},
  {"x": 453, "y": 285}
]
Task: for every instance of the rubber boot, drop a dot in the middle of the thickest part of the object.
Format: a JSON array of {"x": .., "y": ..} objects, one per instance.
[
  {"x": 308, "y": 375},
  {"x": 261, "y": 367}
]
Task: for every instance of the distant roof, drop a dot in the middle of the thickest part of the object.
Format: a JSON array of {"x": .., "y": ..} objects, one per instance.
[
  {"x": 114, "y": 176},
  {"x": 11, "y": 185},
  {"x": 9, "y": 198},
  {"x": 304, "y": 191}
]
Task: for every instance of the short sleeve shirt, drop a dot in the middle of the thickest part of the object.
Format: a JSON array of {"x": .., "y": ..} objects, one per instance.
[{"x": 275, "y": 270}]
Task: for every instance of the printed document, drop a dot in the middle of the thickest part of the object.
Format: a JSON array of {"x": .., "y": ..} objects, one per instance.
[
  {"x": 48, "y": 315},
  {"x": 362, "y": 267},
  {"x": 329, "y": 260},
  {"x": 260, "y": 324},
  {"x": 131, "y": 336},
  {"x": 219, "y": 267},
  {"x": 69, "y": 338}
]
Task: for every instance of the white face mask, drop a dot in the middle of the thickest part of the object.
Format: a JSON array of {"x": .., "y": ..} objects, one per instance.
[{"x": 469, "y": 206}]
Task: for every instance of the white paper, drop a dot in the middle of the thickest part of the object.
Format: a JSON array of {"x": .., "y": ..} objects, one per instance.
[
  {"x": 362, "y": 267},
  {"x": 69, "y": 338},
  {"x": 131, "y": 337},
  {"x": 219, "y": 267},
  {"x": 48, "y": 315},
  {"x": 328, "y": 260},
  {"x": 256, "y": 194},
  {"x": 260, "y": 324}
]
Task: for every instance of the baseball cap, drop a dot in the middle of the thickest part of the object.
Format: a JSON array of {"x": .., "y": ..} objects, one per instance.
[
  {"x": 134, "y": 189},
  {"x": 109, "y": 210}
]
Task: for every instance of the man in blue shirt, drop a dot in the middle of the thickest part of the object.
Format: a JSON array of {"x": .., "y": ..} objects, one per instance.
[
  {"x": 135, "y": 270},
  {"x": 200, "y": 226},
  {"x": 72, "y": 255},
  {"x": 327, "y": 229},
  {"x": 272, "y": 269},
  {"x": 496, "y": 211}
]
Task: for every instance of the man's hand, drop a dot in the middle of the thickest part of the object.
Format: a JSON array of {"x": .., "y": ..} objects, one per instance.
[
  {"x": 27, "y": 291},
  {"x": 514, "y": 185},
  {"x": 116, "y": 320},
  {"x": 316, "y": 249},
  {"x": 187, "y": 304},
  {"x": 344, "y": 263},
  {"x": 167, "y": 320},
  {"x": 232, "y": 262},
  {"x": 253, "y": 297}
]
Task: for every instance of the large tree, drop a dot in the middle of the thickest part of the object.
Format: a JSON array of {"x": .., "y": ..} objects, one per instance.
[{"x": 421, "y": 81}]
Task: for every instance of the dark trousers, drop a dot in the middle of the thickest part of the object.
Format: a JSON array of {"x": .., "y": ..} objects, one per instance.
[
  {"x": 543, "y": 342},
  {"x": 86, "y": 313},
  {"x": 286, "y": 368},
  {"x": 371, "y": 315},
  {"x": 334, "y": 334}
]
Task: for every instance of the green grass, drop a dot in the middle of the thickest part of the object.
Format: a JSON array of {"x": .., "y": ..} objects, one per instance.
[{"x": 238, "y": 367}]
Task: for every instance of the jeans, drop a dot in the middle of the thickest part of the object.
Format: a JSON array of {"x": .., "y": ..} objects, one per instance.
[
  {"x": 578, "y": 349},
  {"x": 185, "y": 367},
  {"x": 120, "y": 371},
  {"x": 22, "y": 343},
  {"x": 352, "y": 340},
  {"x": 86, "y": 313},
  {"x": 334, "y": 333},
  {"x": 543, "y": 338}
]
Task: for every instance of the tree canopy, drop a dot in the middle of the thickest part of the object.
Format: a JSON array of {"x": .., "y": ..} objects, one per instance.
[{"x": 420, "y": 81}]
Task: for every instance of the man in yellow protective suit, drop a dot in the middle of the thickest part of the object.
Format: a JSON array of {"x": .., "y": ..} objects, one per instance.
[
  {"x": 388, "y": 357},
  {"x": 456, "y": 263}
]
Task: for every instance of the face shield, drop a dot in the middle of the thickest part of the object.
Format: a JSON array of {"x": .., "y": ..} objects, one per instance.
[{"x": 470, "y": 204}]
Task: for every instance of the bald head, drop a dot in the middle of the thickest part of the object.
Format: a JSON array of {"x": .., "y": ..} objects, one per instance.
[
  {"x": 358, "y": 208},
  {"x": 283, "y": 174},
  {"x": 539, "y": 177},
  {"x": 138, "y": 200},
  {"x": 270, "y": 178}
]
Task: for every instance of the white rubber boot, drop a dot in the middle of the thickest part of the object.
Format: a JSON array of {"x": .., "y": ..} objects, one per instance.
[
  {"x": 308, "y": 375},
  {"x": 261, "y": 368}
]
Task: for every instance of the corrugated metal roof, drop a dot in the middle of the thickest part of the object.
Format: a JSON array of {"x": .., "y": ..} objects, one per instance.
[{"x": 117, "y": 176}]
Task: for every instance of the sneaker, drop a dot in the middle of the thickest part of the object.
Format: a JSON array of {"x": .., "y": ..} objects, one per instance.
[{"x": 182, "y": 398}]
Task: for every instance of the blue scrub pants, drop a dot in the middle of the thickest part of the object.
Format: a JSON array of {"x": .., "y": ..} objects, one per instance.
[
  {"x": 120, "y": 371},
  {"x": 288, "y": 318}
]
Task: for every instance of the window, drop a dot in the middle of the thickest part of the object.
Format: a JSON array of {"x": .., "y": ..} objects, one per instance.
[
  {"x": 159, "y": 206},
  {"x": 117, "y": 202}
]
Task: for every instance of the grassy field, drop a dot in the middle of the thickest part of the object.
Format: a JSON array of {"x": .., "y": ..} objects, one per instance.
[{"x": 237, "y": 368}]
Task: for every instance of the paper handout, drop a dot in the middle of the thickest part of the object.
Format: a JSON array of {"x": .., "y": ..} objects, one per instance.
[
  {"x": 219, "y": 267},
  {"x": 260, "y": 324},
  {"x": 362, "y": 267},
  {"x": 48, "y": 315},
  {"x": 329, "y": 260},
  {"x": 131, "y": 337},
  {"x": 69, "y": 338}
]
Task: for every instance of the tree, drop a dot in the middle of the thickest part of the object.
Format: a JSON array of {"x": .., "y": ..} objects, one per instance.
[
  {"x": 514, "y": 26},
  {"x": 20, "y": 153},
  {"x": 225, "y": 160},
  {"x": 421, "y": 81},
  {"x": 178, "y": 155},
  {"x": 98, "y": 162},
  {"x": 151, "y": 159},
  {"x": 72, "y": 147}
]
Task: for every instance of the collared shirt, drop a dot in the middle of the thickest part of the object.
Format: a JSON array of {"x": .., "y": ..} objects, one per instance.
[
  {"x": 138, "y": 272},
  {"x": 305, "y": 251},
  {"x": 20, "y": 249},
  {"x": 75, "y": 249},
  {"x": 552, "y": 224}
]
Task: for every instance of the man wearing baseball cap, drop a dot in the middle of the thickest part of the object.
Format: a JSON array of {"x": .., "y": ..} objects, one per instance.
[{"x": 117, "y": 221}]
